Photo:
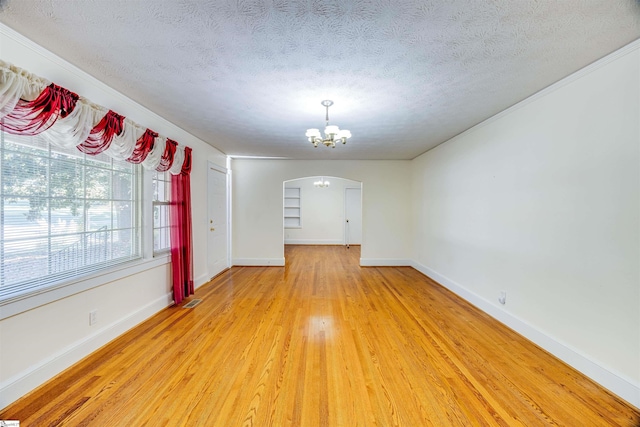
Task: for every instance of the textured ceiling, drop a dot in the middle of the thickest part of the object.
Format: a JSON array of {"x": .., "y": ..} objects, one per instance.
[{"x": 247, "y": 76}]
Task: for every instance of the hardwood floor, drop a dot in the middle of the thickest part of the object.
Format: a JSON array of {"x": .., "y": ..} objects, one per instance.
[{"x": 321, "y": 342}]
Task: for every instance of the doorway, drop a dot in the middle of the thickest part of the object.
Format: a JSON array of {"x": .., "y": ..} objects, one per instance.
[
  {"x": 353, "y": 216},
  {"x": 217, "y": 234},
  {"x": 316, "y": 214}
]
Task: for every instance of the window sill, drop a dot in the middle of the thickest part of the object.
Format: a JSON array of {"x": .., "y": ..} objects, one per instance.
[
  {"x": 21, "y": 303},
  {"x": 162, "y": 253}
]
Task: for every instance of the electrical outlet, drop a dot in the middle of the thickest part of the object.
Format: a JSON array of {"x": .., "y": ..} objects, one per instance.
[
  {"x": 502, "y": 299},
  {"x": 93, "y": 317}
]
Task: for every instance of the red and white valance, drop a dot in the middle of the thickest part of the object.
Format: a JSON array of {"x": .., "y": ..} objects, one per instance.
[{"x": 31, "y": 105}]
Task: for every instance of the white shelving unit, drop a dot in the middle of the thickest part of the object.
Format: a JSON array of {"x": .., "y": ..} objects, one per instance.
[{"x": 292, "y": 208}]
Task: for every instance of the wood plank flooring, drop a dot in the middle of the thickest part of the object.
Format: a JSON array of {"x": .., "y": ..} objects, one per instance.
[{"x": 321, "y": 342}]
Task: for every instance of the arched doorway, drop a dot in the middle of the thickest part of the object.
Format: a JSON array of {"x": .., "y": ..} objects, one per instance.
[{"x": 317, "y": 214}]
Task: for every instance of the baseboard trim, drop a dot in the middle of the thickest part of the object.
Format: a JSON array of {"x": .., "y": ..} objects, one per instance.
[
  {"x": 617, "y": 383},
  {"x": 20, "y": 384},
  {"x": 384, "y": 262},
  {"x": 313, "y": 242},
  {"x": 200, "y": 280},
  {"x": 258, "y": 262}
]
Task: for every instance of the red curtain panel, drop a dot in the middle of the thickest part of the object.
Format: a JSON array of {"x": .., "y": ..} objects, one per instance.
[{"x": 181, "y": 233}]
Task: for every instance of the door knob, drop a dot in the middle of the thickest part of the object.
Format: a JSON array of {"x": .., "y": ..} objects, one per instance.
[{"x": 212, "y": 229}]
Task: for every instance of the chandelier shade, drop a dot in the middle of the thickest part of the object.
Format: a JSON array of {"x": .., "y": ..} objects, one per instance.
[{"x": 332, "y": 133}]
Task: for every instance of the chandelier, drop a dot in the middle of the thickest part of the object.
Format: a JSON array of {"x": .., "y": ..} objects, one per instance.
[
  {"x": 332, "y": 133},
  {"x": 322, "y": 183}
]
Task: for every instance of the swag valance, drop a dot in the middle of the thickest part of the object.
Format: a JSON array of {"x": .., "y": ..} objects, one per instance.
[{"x": 31, "y": 105}]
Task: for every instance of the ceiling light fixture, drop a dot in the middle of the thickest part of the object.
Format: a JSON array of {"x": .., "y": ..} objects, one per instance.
[
  {"x": 322, "y": 183},
  {"x": 332, "y": 133}
]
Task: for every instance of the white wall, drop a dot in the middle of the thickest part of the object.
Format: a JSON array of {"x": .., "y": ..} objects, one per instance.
[
  {"x": 39, "y": 343},
  {"x": 322, "y": 211},
  {"x": 257, "y": 207},
  {"x": 543, "y": 202}
]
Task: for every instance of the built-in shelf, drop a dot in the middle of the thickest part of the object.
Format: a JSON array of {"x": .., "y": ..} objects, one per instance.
[{"x": 292, "y": 208}]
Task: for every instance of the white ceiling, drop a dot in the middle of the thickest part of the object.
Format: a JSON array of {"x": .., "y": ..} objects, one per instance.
[{"x": 248, "y": 76}]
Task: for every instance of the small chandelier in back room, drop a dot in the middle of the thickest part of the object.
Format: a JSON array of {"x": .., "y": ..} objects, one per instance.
[
  {"x": 332, "y": 133},
  {"x": 323, "y": 183}
]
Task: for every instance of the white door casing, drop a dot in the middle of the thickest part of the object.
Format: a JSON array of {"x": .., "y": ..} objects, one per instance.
[
  {"x": 353, "y": 216},
  {"x": 217, "y": 220}
]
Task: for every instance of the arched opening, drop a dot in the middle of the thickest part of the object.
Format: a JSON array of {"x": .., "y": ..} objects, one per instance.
[{"x": 317, "y": 213}]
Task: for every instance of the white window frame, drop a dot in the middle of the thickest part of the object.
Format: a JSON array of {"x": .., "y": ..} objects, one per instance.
[
  {"x": 161, "y": 200},
  {"x": 17, "y": 304}
]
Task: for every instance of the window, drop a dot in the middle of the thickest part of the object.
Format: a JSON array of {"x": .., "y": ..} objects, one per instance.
[
  {"x": 63, "y": 214},
  {"x": 161, "y": 196}
]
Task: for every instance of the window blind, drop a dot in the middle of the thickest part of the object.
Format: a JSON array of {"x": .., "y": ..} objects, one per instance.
[{"x": 63, "y": 214}]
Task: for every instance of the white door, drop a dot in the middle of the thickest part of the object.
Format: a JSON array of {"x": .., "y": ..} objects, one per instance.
[
  {"x": 353, "y": 216},
  {"x": 217, "y": 248}
]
